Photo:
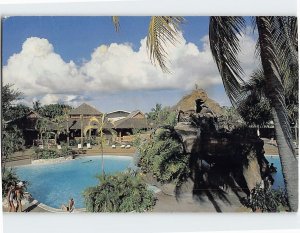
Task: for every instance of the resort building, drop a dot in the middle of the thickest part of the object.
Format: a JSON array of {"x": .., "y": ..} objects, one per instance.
[
  {"x": 35, "y": 127},
  {"x": 116, "y": 115},
  {"x": 84, "y": 121}
]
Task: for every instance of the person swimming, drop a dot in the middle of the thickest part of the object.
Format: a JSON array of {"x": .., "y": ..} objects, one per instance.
[{"x": 87, "y": 161}]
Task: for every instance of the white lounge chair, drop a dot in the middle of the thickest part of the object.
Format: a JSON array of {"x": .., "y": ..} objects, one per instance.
[
  {"x": 113, "y": 146},
  {"x": 79, "y": 146},
  {"x": 88, "y": 145},
  {"x": 128, "y": 146},
  {"x": 41, "y": 146},
  {"x": 123, "y": 146},
  {"x": 59, "y": 147}
]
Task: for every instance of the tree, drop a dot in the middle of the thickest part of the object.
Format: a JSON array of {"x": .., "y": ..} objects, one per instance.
[
  {"x": 36, "y": 105},
  {"x": 100, "y": 126},
  {"x": 255, "y": 107},
  {"x": 162, "y": 116},
  {"x": 54, "y": 110},
  {"x": 12, "y": 141},
  {"x": 122, "y": 192},
  {"x": 273, "y": 32},
  {"x": 42, "y": 127},
  {"x": 8, "y": 97},
  {"x": 17, "y": 111}
]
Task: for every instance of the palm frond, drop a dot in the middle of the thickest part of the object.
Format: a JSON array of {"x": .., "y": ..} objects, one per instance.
[
  {"x": 115, "y": 20},
  {"x": 224, "y": 33},
  {"x": 162, "y": 31},
  {"x": 271, "y": 58}
]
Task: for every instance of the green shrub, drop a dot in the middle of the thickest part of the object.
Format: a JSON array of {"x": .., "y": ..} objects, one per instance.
[
  {"x": 122, "y": 192},
  {"x": 9, "y": 177},
  {"x": 65, "y": 150},
  {"x": 266, "y": 200},
  {"x": 45, "y": 154},
  {"x": 164, "y": 157}
]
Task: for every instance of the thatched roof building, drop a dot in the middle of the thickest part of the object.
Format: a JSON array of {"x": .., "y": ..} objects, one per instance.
[
  {"x": 85, "y": 110},
  {"x": 135, "y": 120},
  {"x": 188, "y": 102}
]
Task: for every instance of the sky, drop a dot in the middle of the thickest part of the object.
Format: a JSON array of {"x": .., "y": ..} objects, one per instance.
[{"x": 82, "y": 59}]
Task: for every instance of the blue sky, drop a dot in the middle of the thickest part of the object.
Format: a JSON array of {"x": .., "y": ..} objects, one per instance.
[
  {"x": 74, "y": 38},
  {"x": 82, "y": 59}
]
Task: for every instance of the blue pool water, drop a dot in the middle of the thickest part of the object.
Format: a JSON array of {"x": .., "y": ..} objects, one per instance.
[
  {"x": 54, "y": 184},
  {"x": 278, "y": 177}
]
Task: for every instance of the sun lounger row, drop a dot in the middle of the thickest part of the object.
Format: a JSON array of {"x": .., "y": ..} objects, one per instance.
[{"x": 122, "y": 146}]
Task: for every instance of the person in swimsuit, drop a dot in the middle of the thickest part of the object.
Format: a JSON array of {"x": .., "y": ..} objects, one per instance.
[
  {"x": 19, "y": 195},
  {"x": 70, "y": 206},
  {"x": 10, "y": 198}
]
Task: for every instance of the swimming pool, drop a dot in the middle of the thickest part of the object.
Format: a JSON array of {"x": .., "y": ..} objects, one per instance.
[
  {"x": 54, "y": 184},
  {"x": 277, "y": 176}
]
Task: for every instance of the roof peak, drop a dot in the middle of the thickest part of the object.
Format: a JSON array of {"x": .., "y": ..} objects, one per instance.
[{"x": 85, "y": 109}]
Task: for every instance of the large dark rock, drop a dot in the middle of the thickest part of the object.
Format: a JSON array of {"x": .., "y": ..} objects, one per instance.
[
  {"x": 189, "y": 135},
  {"x": 234, "y": 156}
]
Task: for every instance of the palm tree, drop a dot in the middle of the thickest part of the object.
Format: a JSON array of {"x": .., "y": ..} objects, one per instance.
[
  {"x": 277, "y": 46},
  {"x": 100, "y": 126},
  {"x": 42, "y": 127},
  {"x": 276, "y": 63}
]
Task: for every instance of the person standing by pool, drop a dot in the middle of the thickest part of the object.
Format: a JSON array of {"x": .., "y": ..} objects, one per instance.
[
  {"x": 70, "y": 206},
  {"x": 10, "y": 198},
  {"x": 19, "y": 195}
]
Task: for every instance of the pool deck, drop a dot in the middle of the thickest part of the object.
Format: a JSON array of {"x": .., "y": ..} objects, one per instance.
[{"x": 165, "y": 203}]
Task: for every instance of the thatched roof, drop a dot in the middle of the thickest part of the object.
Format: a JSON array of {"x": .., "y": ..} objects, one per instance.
[
  {"x": 85, "y": 109},
  {"x": 131, "y": 122},
  {"x": 188, "y": 102},
  {"x": 75, "y": 124},
  {"x": 117, "y": 114},
  {"x": 30, "y": 120}
]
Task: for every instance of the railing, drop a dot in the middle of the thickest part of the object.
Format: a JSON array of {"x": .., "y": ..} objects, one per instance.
[{"x": 49, "y": 142}]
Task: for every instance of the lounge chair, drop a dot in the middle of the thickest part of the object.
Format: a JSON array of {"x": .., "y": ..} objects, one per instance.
[
  {"x": 113, "y": 146},
  {"x": 88, "y": 146},
  {"x": 41, "y": 146},
  {"x": 79, "y": 146},
  {"x": 59, "y": 147},
  {"x": 128, "y": 146},
  {"x": 122, "y": 146}
]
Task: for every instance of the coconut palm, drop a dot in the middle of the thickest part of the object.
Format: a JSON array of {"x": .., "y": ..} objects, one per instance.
[
  {"x": 100, "y": 127},
  {"x": 277, "y": 63}
]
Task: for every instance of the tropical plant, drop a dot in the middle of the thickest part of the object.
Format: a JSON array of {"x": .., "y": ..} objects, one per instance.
[
  {"x": 162, "y": 116},
  {"x": 122, "y": 192},
  {"x": 37, "y": 106},
  {"x": 266, "y": 200},
  {"x": 42, "y": 127},
  {"x": 8, "y": 177},
  {"x": 8, "y": 97},
  {"x": 12, "y": 141},
  {"x": 164, "y": 157},
  {"x": 17, "y": 111},
  {"x": 54, "y": 110},
  {"x": 101, "y": 135},
  {"x": 45, "y": 153},
  {"x": 277, "y": 47}
]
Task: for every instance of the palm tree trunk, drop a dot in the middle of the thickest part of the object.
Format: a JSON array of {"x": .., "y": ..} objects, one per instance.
[
  {"x": 275, "y": 94},
  {"x": 81, "y": 130}
]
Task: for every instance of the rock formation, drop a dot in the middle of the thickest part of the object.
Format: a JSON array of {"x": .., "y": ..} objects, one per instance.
[{"x": 233, "y": 158}]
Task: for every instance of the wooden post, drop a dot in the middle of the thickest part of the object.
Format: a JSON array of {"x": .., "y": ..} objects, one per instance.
[{"x": 68, "y": 136}]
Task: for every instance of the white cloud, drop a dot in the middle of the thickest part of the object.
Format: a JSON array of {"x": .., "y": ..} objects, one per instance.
[{"x": 39, "y": 71}]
